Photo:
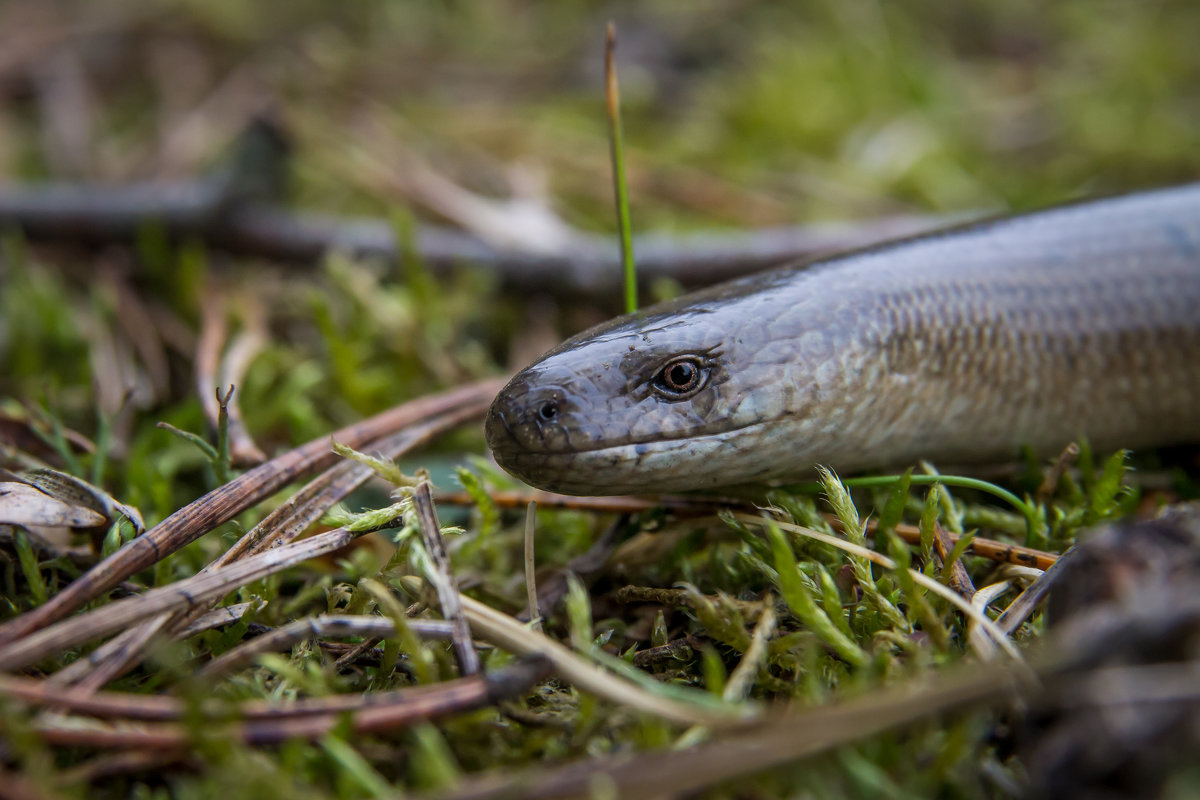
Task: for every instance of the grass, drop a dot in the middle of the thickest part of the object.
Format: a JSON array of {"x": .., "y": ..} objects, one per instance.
[
  {"x": 612, "y": 98},
  {"x": 737, "y": 117}
]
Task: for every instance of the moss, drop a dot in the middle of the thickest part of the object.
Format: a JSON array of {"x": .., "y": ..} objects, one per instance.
[{"x": 737, "y": 115}]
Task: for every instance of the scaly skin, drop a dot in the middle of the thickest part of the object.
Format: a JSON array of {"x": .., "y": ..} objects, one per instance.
[{"x": 962, "y": 346}]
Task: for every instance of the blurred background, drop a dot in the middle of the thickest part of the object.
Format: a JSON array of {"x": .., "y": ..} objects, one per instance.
[
  {"x": 738, "y": 113},
  {"x": 485, "y": 121},
  {"x": 489, "y": 118}
]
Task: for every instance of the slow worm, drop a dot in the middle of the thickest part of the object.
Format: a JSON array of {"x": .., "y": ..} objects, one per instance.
[{"x": 959, "y": 346}]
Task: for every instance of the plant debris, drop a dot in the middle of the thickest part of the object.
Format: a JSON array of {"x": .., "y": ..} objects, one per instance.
[{"x": 355, "y": 620}]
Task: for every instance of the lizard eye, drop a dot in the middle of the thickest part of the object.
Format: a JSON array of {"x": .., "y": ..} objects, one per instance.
[{"x": 680, "y": 378}]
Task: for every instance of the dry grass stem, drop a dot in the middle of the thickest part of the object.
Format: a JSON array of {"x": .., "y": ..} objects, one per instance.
[
  {"x": 220, "y": 505},
  {"x": 1027, "y": 601},
  {"x": 741, "y": 680},
  {"x": 264, "y": 723},
  {"x": 509, "y": 634},
  {"x": 443, "y": 579},
  {"x": 326, "y": 626},
  {"x": 981, "y": 600},
  {"x": 218, "y": 617},
  {"x": 532, "y": 609},
  {"x": 185, "y": 594},
  {"x": 750, "y": 748}
]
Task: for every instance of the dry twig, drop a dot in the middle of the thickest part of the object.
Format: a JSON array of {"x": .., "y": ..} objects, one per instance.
[
  {"x": 212, "y": 374},
  {"x": 234, "y": 210},
  {"x": 264, "y": 723},
  {"x": 182, "y": 595},
  {"x": 281, "y": 526},
  {"x": 202, "y": 515}
]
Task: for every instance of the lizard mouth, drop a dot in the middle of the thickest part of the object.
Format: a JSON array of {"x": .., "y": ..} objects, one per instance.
[{"x": 645, "y": 467}]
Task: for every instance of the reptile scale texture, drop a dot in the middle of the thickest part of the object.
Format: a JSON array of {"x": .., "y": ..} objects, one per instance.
[{"x": 959, "y": 346}]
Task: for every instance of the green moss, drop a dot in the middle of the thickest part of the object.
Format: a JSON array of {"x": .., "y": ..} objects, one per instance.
[{"x": 736, "y": 116}]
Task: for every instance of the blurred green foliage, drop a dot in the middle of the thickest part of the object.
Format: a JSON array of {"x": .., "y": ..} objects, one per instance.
[{"x": 737, "y": 114}]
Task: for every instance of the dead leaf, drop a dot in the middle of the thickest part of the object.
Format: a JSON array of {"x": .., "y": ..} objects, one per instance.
[
  {"x": 77, "y": 491},
  {"x": 24, "y": 505}
]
